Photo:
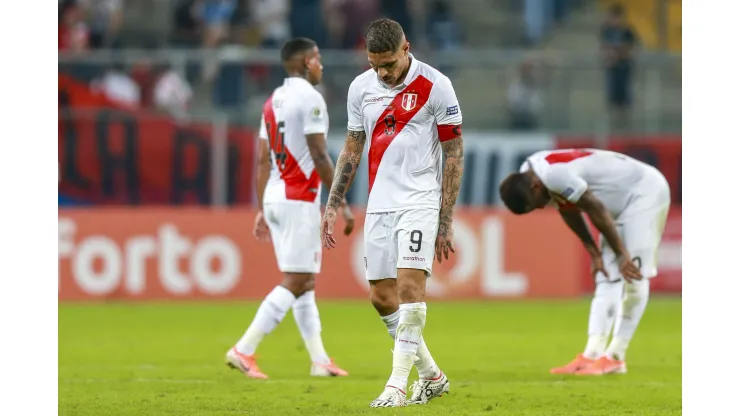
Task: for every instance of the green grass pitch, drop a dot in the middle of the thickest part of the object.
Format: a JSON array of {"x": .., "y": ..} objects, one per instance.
[{"x": 167, "y": 359}]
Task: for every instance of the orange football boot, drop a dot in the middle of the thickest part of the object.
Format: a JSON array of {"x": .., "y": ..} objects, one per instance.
[
  {"x": 327, "y": 370},
  {"x": 604, "y": 365},
  {"x": 578, "y": 363},
  {"x": 247, "y": 364}
]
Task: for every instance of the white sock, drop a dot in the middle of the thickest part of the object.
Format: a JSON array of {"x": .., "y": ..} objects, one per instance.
[
  {"x": 270, "y": 313},
  {"x": 426, "y": 366},
  {"x": 306, "y": 315},
  {"x": 633, "y": 306},
  {"x": 604, "y": 308},
  {"x": 411, "y": 323}
]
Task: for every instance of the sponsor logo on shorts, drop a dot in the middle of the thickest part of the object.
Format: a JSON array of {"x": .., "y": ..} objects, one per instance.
[{"x": 414, "y": 258}]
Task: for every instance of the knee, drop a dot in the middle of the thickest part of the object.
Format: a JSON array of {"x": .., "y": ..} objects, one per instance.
[
  {"x": 298, "y": 283},
  {"x": 636, "y": 292},
  {"x": 384, "y": 301},
  {"x": 410, "y": 291}
]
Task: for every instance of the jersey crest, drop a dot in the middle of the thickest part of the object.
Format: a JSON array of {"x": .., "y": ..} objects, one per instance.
[{"x": 408, "y": 102}]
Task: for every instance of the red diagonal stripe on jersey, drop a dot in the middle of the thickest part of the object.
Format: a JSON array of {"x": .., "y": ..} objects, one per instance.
[
  {"x": 566, "y": 156},
  {"x": 380, "y": 141},
  {"x": 297, "y": 186}
]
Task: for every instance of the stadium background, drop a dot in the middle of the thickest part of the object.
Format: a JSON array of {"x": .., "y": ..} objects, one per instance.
[{"x": 159, "y": 101}]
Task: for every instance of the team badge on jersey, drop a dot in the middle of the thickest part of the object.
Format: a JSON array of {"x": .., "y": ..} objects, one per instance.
[
  {"x": 316, "y": 114},
  {"x": 408, "y": 101}
]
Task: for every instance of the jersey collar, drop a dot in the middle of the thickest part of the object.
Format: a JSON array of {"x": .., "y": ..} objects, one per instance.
[{"x": 296, "y": 79}]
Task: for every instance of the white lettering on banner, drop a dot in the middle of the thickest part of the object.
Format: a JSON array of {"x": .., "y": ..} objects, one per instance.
[
  {"x": 99, "y": 265},
  {"x": 495, "y": 280},
  {"x": 209, "y": 249},
  {"x": 172, "y": 247},
  {"x": 83, "y": 265}
]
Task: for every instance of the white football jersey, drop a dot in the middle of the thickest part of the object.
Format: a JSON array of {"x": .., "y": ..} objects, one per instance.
[
  {"x": 294, "y": 110},
  {"x": 404, "y": 127},
  {"x": 615, "y": 179}
]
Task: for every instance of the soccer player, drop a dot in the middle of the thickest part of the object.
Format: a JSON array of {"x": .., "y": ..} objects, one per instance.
[
  {"x": 293, "y": 162},
  {"x": 628, "y": 202},
  {"x": 412, "y": 115}
]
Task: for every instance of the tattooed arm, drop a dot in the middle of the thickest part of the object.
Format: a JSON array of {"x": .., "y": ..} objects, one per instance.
[
  {"x": 454, "y": 162},
  {"x": 344, "y": 174},
  {"x": 347, "y": 164}
]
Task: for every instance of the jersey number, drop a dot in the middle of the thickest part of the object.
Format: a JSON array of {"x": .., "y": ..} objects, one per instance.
[
  {"x": 277, "y": 144},
  {"x": 415, "y": 239}
]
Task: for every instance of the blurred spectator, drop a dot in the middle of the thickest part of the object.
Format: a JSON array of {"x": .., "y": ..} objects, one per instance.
[
  {"x": 105, "y": 18},
  {"x": 216, "y": 17},
  {"x": 399, "y": 10},
  {"x": 73, "y": 33},
  {"x": 525, "y": 98},
  {"x": 172, "y": 93},
  {"x": 186, "y": 24},
  {"x": 118, "y": 86},
  {"x": 307, "y": 20},
  {"x": 443, "y": 31},
  {"x": 617, "y": 43},
  {"x": 271, "y": 16}
]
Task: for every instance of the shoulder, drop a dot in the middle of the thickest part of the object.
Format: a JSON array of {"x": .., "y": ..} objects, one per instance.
[{"x": 362, "y": 81}]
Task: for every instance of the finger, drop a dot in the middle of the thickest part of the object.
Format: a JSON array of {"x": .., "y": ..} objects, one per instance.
[
  {"x": 438, "y": 252},
  {"x": 452, "y": 249}
]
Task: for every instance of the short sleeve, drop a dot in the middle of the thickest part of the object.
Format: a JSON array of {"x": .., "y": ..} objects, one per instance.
[
  {"x": 444, "y": 103},
  {"x": 315, "y": 116},
  {"x": 263, "y": 129},
  {"x": 354, "y": 111},
  {"x": 565, "y": 184}
]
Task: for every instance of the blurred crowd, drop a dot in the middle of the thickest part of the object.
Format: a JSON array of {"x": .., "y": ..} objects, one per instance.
[{"x": 110, "y": 26}]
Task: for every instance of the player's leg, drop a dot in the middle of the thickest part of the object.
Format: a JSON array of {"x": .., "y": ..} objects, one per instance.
[
  {"x": 604, "y": 306},
  {"x": 281, "y": 220},
  {"x": 643, "y": 240},
  {"x": 642, "y": 236},
  {"x": 307, "y": 256},
  {"x": 384, "y": 297},
  {"x": 413, "y": 257}
]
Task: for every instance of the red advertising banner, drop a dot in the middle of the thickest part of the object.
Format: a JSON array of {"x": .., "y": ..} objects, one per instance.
[
  {"x": 669, "y": 275},
  {"x": 661, "y": 151},
  {"x": 194, "y": 253},
  {"x": 110, "y": 155}
]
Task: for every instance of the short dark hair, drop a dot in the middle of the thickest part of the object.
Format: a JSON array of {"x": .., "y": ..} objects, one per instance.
[
  {"x": 295, "y": 46},
  {"x": 514, "y": 192},
  {"x": 383, "y": 35}
]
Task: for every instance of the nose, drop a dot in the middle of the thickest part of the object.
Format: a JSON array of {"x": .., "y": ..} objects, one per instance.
[{"x": 382, "y": 72}]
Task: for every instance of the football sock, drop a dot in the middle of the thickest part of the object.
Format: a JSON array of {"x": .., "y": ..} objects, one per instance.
[
  {"x": 306, "y": 315},
  {"x": 270, "y": 313},
  {"x": 425, "y": 364},
  {"x": 604, "y": 308},
  {"x": 408, "y": 336},
  {"x": 633, "y": 306}
]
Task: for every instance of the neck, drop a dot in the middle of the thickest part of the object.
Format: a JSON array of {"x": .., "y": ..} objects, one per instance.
[
  {"x": 404, "y": 73},
  {"x": 296, "y": 74}
]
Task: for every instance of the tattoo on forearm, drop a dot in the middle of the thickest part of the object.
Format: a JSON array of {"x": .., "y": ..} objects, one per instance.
[
  {"x": 347, "y": 164},
  {"x": 451, "y": 179}
]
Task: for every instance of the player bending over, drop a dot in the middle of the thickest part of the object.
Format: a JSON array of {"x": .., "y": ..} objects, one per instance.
[
  {"x": 293, "y": 163},
  {"x": 627, "y": 201},
  {"x": 411, "y": 113}
]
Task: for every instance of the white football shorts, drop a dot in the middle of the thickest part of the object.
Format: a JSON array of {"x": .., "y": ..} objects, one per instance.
[
  {"x": 641, "y": 227},
  {"x": 295, "y": 233},
  {"x": 400, "y": 240}
]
